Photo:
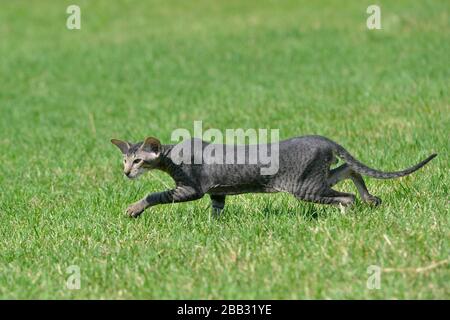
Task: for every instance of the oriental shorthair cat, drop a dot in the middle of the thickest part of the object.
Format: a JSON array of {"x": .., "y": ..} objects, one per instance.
[{"x": 303, "y": 170}]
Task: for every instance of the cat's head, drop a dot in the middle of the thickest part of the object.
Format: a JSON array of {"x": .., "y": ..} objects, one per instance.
[{"x": 139, "y": 157}]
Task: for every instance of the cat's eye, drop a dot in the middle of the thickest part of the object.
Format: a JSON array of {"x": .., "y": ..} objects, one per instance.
[{"x": 137, "y": 161}]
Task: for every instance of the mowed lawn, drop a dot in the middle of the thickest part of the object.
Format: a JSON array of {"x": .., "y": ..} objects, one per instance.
[{"x": 146, "y": 68}]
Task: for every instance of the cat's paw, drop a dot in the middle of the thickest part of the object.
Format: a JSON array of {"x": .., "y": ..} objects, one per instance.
[
  {"x": 135, "y": 209},
  {"x": 373, "y": 200}
]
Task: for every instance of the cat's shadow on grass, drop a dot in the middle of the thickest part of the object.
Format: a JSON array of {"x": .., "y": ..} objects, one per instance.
[
  {"x": 306, "y": 210},
  {"x": 271, "y": 208}
]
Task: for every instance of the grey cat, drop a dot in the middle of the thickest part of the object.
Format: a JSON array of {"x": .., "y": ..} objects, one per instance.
[{"x": 304, "y": 171}]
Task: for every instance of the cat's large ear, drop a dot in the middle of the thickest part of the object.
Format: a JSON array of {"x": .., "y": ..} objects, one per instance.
[
  {"x": 151, "y": 147},
  {"x": 122, "y": 145}
]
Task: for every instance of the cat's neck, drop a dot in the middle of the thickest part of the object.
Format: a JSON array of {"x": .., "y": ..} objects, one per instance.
[{"x": 165, "y": 162}]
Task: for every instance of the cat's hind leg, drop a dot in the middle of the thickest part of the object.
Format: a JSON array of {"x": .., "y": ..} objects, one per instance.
[
  {"x": 331, "y": 196},
  {"x": 345, "y": 172},
  {"x": 328, "y": 196},
  {"x": 217, "y": 204}
]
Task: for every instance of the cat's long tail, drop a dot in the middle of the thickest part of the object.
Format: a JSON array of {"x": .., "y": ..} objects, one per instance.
[{"x": 367, "y": 171}]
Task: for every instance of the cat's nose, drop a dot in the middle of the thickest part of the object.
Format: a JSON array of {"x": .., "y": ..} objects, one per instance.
[{"x": 127, "y": 173}]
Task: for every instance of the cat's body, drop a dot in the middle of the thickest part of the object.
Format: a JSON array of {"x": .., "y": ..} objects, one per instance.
[{"x": 303, "y": 170}]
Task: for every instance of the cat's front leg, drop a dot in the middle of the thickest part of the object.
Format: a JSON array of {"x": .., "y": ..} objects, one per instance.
[
  {"x": 135, "y": 209},
  {"x": 179, "y": 194}
]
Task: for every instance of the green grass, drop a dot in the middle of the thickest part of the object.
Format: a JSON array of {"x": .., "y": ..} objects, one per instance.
[{"x": 139, "y": 68}]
